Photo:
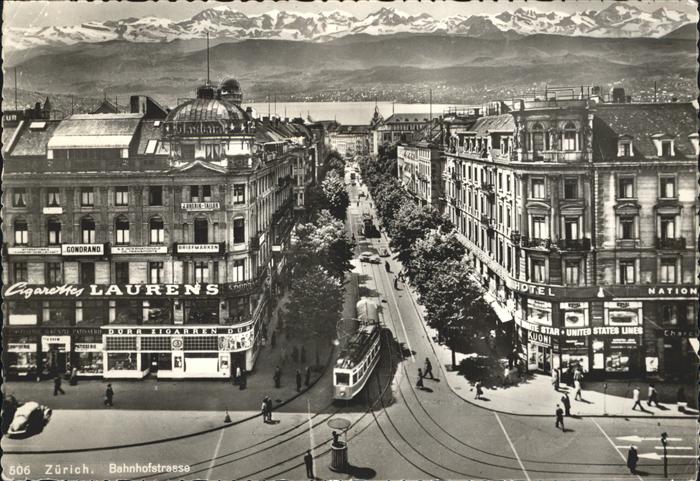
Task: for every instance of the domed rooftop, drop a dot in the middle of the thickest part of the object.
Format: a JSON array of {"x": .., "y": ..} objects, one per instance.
[
  {"x": 230, "y": 85},
  {"x": 207, "y": 110}
]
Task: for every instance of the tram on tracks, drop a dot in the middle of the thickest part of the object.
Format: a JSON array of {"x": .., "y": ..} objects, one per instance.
[{"x": 357, "y": 360}]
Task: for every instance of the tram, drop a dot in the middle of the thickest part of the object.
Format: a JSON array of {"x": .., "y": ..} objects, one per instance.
[{"x": 356, "y": 362}]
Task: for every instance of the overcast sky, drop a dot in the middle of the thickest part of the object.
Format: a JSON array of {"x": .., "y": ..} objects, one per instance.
[{"x": 35, "y": 13}]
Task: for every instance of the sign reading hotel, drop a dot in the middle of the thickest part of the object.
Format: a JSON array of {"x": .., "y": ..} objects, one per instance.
[
  {"x": 34, "y": 251},
  {"x": 139, "y": 250},
  {"x": 83, "y": 249},
  {"x": 199, "y": 206},
  {"x": 198, "y": 248},
  {"x": 26, "y": 291}
]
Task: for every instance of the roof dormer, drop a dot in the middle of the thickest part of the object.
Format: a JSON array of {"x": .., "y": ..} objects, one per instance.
[
  {"x": 665, "y": 144},
  {"x": 625, "y": 147},
  {"x": 695, "y": 141}
]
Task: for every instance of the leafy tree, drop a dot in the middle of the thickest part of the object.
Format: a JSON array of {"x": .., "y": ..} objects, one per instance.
[
  {"x": 316, "y": 201},
  {"x": 334, "y": 161},
  {"x": 410, "y": 224},
  {"x": 336, "y": 194},
  {"x": 315, "y": 304},
  {"x": 430, "y": 254},
  {"x": 322, "y": 243}
]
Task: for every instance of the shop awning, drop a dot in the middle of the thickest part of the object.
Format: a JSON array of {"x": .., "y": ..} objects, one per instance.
[
  {"x": 90, "y": 141},
  {"x": 502, "y": 312}
]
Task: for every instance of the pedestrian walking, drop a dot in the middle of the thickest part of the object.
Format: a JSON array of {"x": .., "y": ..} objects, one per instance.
[
  {"x": 273, "y": 339},
  {"x": 559, "y": 413},
  {"x": 652, "y": 397},
  {"x": 479, "y": 391},
  {"x": 109, "y": 396},
  {"x": 277, "y": 376},
  {"x": 632, "y": 458},
  {"x": 635, "y": 398},
  {"x": 307, "y": 376},
  {"x": 263, "y": 409},
  {"x": 309, "y": 462},
  {"x": 73, "y": 376},
  {"x": 419, "y": 383},
  {"x": 555, "y": 379},
  {"x": 238, "y": 375},
  {"x": 396, "y": 283},
  {"x": 302, "y": 355},
  {"x": 566, "y": 402},
  {"x": 428, "y": 369},
  {"x": 298, "y": 378},
  {"x": 577, "y": 390},
  {"x": 295, "y": 354},
  {"x": 57, "y": 385},
  {"x": 243, "y": 382}
]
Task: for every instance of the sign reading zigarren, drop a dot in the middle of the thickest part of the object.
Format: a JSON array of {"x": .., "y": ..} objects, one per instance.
[{"x": 23, "y": 289}]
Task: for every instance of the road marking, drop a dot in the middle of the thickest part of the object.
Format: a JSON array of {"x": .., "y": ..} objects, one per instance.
[
  {"x": 613, "y": 445},
  {"x": 512, "y": 446},
  {"x": 311, "y": 437},
  {"x": 639, "y": 439},
  {"x": 657, "y": 456},
  {"x": 679, "y": 448},
  {"x": 216, "y": 454}
]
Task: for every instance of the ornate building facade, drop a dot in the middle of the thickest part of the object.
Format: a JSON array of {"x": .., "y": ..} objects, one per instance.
[{"x": 146, "y": 242}]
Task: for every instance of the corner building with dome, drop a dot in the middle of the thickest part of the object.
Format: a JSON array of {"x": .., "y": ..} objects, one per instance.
[{"x": 151, "y": 242}]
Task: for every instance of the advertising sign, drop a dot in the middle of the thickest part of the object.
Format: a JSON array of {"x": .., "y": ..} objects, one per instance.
[
  {"x": 236, "y": 342},
  {"x": 26, "y": 291},
  {"x": 87, "y": 347},
  {"x": 198, "y": 248},
  {"x": 83, "y": 249},
  {"x": 139, "y": 250},
  {"x": 34, "y": 251},
  {"x": 175, "y": 330},
  {"x": 21, "y": 347},
  {"x": 199, "y": 206}
]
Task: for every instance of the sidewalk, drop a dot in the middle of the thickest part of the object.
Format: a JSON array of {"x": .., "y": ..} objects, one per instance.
[{"x": 188, "y": 395}]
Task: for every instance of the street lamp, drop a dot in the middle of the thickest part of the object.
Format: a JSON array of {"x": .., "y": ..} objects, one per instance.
[
  {"x": 605, "y": 391},
  {"x": 664, "y": 442}
]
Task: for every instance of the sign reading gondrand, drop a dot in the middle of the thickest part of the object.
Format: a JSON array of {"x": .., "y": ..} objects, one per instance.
[{"x": 26, "y": 291}]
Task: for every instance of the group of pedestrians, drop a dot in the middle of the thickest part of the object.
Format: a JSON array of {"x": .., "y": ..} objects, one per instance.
[
  {"x": 266, "y": 409},
  {"x": 424, "y": 373},
  {"x": 652, "y": 398},
  {"x": 58, "y": 383}
]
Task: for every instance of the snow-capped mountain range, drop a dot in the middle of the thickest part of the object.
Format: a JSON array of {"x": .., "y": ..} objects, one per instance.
[{"x": 618, "y": 20}]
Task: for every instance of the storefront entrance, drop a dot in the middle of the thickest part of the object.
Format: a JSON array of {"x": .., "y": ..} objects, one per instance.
[{"x": 539, "y": 358}]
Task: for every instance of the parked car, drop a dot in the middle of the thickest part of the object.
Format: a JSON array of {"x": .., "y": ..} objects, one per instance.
[
  {"x": 29, "y": 418},
  {"x": 370, "y": 257},
  {"x": 383, "y": 252}
]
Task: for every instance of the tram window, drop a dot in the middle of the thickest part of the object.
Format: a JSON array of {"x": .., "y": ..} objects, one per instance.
[
  {"x": 354, "y": 378},
  {"x": 342, "y": 379}
]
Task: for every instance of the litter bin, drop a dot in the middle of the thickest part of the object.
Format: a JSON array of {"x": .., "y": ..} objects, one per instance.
[{"x": 339, "y": 457}]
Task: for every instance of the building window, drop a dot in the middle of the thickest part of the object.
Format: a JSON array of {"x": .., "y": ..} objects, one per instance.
[
  {"x": 155, "y": 273},
  {"x": 668, "y": 187},
  {"x": 206, "y": 193},
  {"x": 539, "y": 228},
  {"x": 121, "y": 196},
  {"x": 669, "y": 314},
  {"x": 155, "y": 195},
  {"x": 625, "y": 188},
  {"x": 87, "y": 272},
  {"x": 201, "y": 272},
  {"x": 87, "y": 197},
  {"x": 53, "y": 197},
  {"x": 20, "y": 272},
  {"x": 194, "y": 193},
  {"x": 53, "y": 273},
  {"x": 538, "y": 273},
  {"x": 21, "y": 232},
  {"x": 667, "y": 271},
  {"x": 508, "y": 222},
  {"x": 87, "y": 230},
  {"x": 571, "y": 228},
  {"x": 19, "y": 197},
  {"x": 627, "y": 228},
  {"x": 569, "y": 138},
  {"x": 122, "y": 230},
  {"x": 239, "y": 270},
  {"x": 571, "y": 273},
  {"x": 537, "y": 188},
  {"x": 537, "y": 138},
  {"x": 201, "y": 231},
  {"x": 668, "y": 227},
  {"x": 571, "y": 188},
  {"x": 121, "y": 272},
  {"x": 666, "y": 148},
  {"x": 238, "y": 231},
  {"x": 54, "y": 232},
  {"x": 508, "y": 184},
  {"x": 157, "y": 230},
  {"x": 624, "y": 149},
  {"x": 627, "y": 272}
]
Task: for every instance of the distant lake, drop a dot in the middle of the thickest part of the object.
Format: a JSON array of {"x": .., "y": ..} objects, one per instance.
[{"x": 347, "y": 113}]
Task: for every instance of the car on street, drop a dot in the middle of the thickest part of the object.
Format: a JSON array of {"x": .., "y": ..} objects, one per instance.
[
  {"x": 370, "y": 257},
  {"x": 383, "y": 252},
  {"x": 29, "y": 418}
]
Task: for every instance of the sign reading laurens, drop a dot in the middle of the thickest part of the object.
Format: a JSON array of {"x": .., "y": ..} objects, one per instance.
[{"x": 23, "y": 289}]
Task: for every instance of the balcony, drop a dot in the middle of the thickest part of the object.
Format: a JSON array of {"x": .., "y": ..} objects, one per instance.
[
  {"x": 487, "y": 188},
  {"x": 536, "y": 243},
  {"x": 254, "y": 243},
  {"x": 575, "y": 244},
  {"x": 670, "y": 244},
  {"x": 515, "y": 237}
]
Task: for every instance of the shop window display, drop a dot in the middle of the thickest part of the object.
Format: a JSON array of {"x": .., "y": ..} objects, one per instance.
[
  {"x": 121, "y": 361},
  {"x": 90, "y": 363}
]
